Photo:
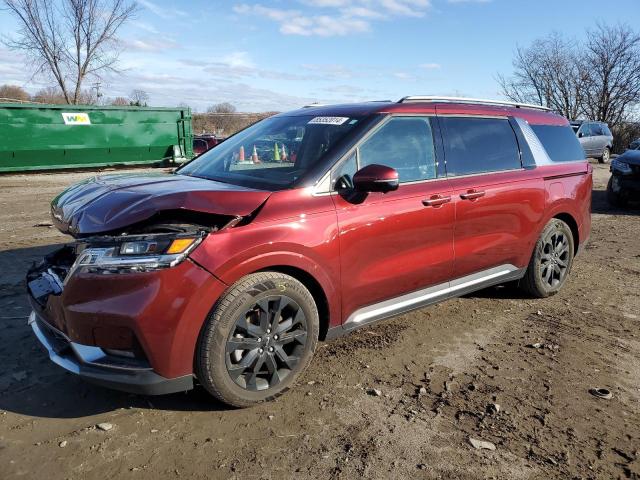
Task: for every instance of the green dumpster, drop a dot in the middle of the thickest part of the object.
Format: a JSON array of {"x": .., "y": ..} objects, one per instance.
[{"x": 37, "y": 137}]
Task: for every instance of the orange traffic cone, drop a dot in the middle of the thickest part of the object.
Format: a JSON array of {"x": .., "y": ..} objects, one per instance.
[
  {"x": 241, "y": 156},
  {"x": 283, "y": 154},
  {"x": 254, "y": 156}
]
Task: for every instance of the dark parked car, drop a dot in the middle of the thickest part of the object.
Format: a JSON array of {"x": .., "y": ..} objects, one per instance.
[
  {"x": 229, "y": 271},
  {"x": 635, "y": 145},
  {"x": 595, "y": 138},
  {"x": 624, "y": 184},
  {"x": 204, "y": 142}
]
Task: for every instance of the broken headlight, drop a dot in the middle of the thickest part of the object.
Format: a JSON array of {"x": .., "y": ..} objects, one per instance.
[{"x": 134, "y": 253}]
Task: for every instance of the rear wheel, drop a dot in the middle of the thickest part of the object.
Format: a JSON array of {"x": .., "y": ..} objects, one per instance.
[
  {"x": 606, "y": 155},
  {"x": 259, "y": 338},
  {"x": 551, "y": 261}
]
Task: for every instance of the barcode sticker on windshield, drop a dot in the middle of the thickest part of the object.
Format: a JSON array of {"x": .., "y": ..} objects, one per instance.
[{"x": 329, "y": 120}]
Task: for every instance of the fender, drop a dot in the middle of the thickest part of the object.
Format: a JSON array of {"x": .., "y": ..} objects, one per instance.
[{"x": 235, "y": 252}]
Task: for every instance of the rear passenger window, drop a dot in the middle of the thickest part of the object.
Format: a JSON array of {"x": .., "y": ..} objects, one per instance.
[
  {"x": 561, "y": 143},
  {"x": 478, "y": 145},
  {"x": 403, "y": 143},
  {"x": 596, "y": 130}
]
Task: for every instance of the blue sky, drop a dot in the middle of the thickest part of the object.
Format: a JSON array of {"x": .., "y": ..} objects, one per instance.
[{"x": 279, "y": 55}]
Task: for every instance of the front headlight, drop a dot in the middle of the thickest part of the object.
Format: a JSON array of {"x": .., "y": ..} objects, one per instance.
[
  {"x": 137, "y": 253},
  {"x": 620, "y": 166}
]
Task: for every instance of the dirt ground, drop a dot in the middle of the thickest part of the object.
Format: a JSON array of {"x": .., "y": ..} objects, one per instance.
[{"x": 438, "y": 370}]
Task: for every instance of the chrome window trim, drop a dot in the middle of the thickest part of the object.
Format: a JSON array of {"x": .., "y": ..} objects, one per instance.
[{"x": 491, "y": 172}]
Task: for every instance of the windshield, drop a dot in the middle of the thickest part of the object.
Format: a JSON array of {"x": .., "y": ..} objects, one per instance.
[{"x": 273, "y": 153}]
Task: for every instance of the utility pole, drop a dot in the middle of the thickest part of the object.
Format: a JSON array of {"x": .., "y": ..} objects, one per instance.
[{"x": 96, "y": 86}]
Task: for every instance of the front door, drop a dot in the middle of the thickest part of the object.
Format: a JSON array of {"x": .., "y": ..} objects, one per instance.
[{"x": 402, "y": 241}]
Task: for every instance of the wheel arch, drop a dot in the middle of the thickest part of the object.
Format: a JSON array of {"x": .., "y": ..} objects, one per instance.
[
  {"x": 314, "y": 287},
  {"x": 573, "y": 225}
]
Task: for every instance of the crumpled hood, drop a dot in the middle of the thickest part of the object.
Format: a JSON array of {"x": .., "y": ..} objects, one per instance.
[{"x": 110, "y": 202}]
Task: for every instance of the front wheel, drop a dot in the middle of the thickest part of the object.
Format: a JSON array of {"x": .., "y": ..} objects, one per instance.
[
  {"x": 614, "y": 198},
  {"x": 606, "y": 155},
  {"x": 259, "y": 338},
  {"x": 551, "y": 261}
]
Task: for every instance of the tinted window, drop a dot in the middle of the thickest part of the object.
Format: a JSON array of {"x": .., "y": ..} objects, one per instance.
[
  {"x": 559, "y": 142},
  {"x": 605, "y": 130},
  {"x": 476, "y": 145},
  {"x": 403, "y": 143},
  {"x": 585, "y": 130},
  {"x": 596, "y": 129}
]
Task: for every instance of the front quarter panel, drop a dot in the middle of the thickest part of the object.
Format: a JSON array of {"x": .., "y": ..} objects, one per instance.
[{"x": 293, "y": 229}]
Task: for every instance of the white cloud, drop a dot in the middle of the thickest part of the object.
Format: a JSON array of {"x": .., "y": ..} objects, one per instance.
[
  {"x": 324, "y": 26},
  {"x": 154, "y": 44},
  {"x": 147, "y": 27},
  {"x": 335, "y": 17},
  {"x": 161, "y": 11},
  {"x": 430, "y": 66},
  {"x": 237, "y": 60}
]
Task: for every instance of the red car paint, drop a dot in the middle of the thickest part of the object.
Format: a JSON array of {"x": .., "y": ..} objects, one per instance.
[{"x": 350, "y": 255}]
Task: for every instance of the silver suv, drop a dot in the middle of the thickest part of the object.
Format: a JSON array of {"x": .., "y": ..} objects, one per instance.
[{"x": 595, "y": 138}]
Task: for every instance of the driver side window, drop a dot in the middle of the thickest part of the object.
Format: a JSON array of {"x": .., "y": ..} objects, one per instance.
[{"x": 403, "y": 143}]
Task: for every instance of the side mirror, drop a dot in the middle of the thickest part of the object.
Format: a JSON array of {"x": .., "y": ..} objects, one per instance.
[{"x": 376, "y": 178}]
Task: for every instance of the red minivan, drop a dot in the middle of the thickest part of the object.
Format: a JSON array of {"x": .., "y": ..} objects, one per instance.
[{"x": 303, "y": 227}]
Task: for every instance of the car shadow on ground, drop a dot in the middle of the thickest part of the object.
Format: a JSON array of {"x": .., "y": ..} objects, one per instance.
[
  {"x": 30, "y": 384},
  {"x": 600, "y": 204}
]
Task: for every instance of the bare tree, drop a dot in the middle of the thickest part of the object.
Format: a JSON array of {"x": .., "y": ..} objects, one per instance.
[
  {"x": 14, "y": 92},
  {"x": 51, "y": 95},
  {"x": 55, "y": 96},
  {"x": 550, "y": 73},
  {"x": 613, "y": 61},
  {"x": 224, "y": 107},
  {"x": 139, "y": 98},
  {"x": 120, "y": 101},
  {"x": 599, "y": 80},
  {"x": 69, "y": 40}
]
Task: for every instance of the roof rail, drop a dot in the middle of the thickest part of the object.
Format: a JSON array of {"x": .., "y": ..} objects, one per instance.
[{"x": 476, "y": 101}]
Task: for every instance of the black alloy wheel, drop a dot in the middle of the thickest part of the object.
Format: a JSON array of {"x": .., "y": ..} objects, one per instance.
[
  {"x": 266, "y": 342},
  {"x": 550, "y": 261},
  {"x": 554, "y": 260},
  {"x": 258, "y": 339}
]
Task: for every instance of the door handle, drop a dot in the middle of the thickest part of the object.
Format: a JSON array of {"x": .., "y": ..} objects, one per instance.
[
  {"x": 435, "y": 201},
  {"x": 473, "y": 194}
]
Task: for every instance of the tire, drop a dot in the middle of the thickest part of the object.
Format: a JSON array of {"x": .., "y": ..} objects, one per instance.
[
  {"x": 606, "y": 155},
  {"x": 273, "y": 321},
  {"x": 615, "y": 199},
  {"x": 550, "y": 262}
]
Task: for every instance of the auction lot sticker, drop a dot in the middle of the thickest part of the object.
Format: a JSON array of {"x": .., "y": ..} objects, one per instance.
[
  {"x": 328, "y": 120},
  {"x": 76, "y": 119}
]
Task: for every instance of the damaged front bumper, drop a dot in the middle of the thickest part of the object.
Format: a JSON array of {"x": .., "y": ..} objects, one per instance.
[
  {"x": 127, "y": 329},
  {"x": 94, "y": 365}
]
